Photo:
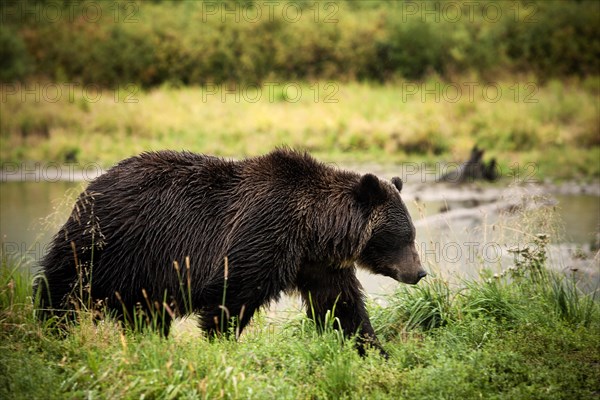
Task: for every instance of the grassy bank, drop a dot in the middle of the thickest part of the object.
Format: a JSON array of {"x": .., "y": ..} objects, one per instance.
[
  {"x": 524, "y": 334},
  {"x": 518, "y": 120}
]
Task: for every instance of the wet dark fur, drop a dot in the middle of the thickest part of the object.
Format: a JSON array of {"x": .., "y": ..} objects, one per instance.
[{"x": 284, "y": 221}]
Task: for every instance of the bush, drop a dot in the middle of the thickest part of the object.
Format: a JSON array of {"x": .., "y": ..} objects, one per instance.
[
  {"x": 186, "y": 43},
  {"x": 15, "y": 61},
  {"x": 413, "y": 49},
  {"x": 562, "y": 38}
]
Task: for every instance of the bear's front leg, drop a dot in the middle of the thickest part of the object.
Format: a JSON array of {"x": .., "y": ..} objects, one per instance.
[{"x": 326, "y": 288}]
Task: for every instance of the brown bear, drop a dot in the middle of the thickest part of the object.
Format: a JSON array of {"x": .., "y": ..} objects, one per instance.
[{"x": 190, "y": 233}]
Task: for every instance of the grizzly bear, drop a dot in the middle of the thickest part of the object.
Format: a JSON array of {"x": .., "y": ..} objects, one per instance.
[{"x": 190, "y": 233}]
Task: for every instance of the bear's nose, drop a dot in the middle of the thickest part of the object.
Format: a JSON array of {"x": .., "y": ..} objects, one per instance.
[{"x": 422, "y": 274}]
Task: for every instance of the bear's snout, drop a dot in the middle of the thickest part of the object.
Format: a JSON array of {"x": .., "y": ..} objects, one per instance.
[
  {"x": 411, "y": 278},
  {"x": 409, "y": 269}
]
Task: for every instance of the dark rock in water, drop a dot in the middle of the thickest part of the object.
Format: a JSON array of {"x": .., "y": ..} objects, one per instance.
[
  {"x": 444, "y": 208},
  {"x": 490, "y": 172},
  {"x": 473, "y": 169},
  {"x": 71, "y": 156}
]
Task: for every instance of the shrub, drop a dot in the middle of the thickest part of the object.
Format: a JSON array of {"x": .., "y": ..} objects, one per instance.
[
  {"x": 182, "y": 43},
  {"x": 15, "y": 61}
]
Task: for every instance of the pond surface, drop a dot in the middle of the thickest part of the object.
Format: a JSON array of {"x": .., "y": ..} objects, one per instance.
[{"x": 32, "y": 212}]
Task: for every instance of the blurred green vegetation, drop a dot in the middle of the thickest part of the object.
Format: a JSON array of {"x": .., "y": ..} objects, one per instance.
[
  {"x": 377, "y": 80},
  {"x": 199, "y": 42},
  {"x": 553, "y": 125}
]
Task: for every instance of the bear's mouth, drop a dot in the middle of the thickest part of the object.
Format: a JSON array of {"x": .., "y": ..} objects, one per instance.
[{"x": 410, "y": 279}]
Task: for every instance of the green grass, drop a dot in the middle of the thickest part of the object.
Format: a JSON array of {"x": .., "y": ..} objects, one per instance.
[
  {"x": 558, "y": 133},
  {"x": 526, "y": 333}
]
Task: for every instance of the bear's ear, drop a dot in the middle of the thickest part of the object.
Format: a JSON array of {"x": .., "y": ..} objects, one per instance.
[
  {"x": 369, "y": 191},
  {"x": 397, "y": 182}
]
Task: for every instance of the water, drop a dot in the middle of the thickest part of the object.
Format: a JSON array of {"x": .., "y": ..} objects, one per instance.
[
  {"x": 580, "y": 216},
  {"x": 31, "y": 212}
]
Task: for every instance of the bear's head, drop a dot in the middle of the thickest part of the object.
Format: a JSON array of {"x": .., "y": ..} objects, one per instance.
[{"x": 390, "y": 249}]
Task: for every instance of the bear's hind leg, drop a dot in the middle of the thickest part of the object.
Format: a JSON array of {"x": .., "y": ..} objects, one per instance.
[{"x": 217, "y": 320}]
